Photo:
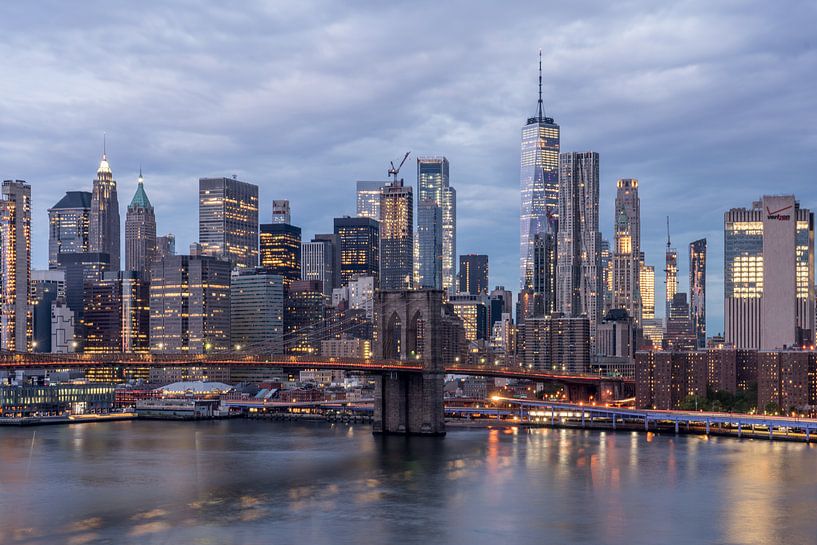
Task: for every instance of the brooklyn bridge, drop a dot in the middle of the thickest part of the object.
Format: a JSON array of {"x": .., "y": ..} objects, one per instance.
[{"x": 411, "y": 356}]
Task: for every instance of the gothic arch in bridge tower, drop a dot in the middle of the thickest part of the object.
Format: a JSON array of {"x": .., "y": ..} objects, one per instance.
[
  {"x": 414, "y": 345},
  {"x": 392, "y": 342}
]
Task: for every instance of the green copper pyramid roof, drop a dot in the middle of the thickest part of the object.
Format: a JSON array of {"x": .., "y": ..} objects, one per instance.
[{"x": 140, "y": 198}]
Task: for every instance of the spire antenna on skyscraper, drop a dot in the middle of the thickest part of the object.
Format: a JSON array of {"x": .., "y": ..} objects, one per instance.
[
  {"x": 104, "y": 146},
  {"x": 541, "y": 108}
]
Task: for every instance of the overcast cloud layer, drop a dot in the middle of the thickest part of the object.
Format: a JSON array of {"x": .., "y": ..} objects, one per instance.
[{"x": 709, "y": 104}]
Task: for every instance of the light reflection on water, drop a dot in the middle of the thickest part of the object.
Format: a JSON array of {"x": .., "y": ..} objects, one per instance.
[{"x": 260, "y": 482}]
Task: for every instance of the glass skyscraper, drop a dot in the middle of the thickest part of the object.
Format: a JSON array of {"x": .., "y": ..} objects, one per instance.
[
  {"x": 539, "y": 183},
  {"x": 228, "y": 220},
  {"x": 436, "y": 224},
  {"x": 697, "y": 290},
  {"x": 69, "y": 221}
]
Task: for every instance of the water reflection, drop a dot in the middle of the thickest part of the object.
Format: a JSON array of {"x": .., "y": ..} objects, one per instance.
[{"x": 243, "y": 482}]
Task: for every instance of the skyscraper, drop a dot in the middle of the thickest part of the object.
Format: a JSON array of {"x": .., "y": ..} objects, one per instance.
[
  {"x": 359, "y": 240},
  {"x": 228, "y": 220},
  {"x": 539, "y": 182},
  {"x": 769, "y": 274},
  {"x": 190, "y": 305},
  {"x": 281, "y": 212},
  {"x": 368, "y": 199},
  {"x": 281, "y": 250},
  {"x": 671, "y": 274},
  {"x": 117, "y": 314},
  {"x": 103, "y": 231},
  {"x": 647, "y": 286},
  {"x": 579, "y": 287},
  {"x": 627, "y": 251},
  {"x": 396, "y": 236},
  {"x": 474, "y": 274},
  {"x": 69, "y": 222},
  {"x": 318, "y": 263},
  {"x": 697, "y": 290},
  {"x": 257, "y": 310},
  {"x": 140, "y": 232},
  {"x": 15, "y": 267},
  {"x": 436, "y": 224},
  {"x": 165, "y": 246}
]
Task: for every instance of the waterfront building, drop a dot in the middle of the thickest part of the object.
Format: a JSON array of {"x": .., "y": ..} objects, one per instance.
[
  {"x": 627, "y": 252},
  {"x": 664, "y": 379},
  {"x": 578, "y": 277},
  {"x": 436, "y": 224},
  {"x": 16, "y": 308},
  {"x": 396, "y": 236},
  {"x": 539, "y": 182},
  {"x": 190, "y": 305},
  {"x": 473, "y": 275},
  {"x": 103, "y": 229},
  {"x": 140, "y": 231},
  {"x": 281, "y": 250},
  {"x": 228, "y": 220},
  {"x": 359, "y": 240},
  {"x": 555, "y": 343},
  {"x": 55, "y": 399},
  {"x": 697, "y": 290},
  {"x": 257, "y": 310},
  {"x": 281, "y": 212},
  {"x": 769, "y": 274},
  {"x": 116, "y": 316},
  {"x": 68, "y": 226},
  {"x": 368, "y": 199}
]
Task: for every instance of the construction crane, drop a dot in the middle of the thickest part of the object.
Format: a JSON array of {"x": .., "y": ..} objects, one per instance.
[{"x": 395, "y": 171}]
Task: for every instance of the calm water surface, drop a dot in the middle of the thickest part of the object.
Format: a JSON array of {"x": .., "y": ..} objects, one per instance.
[{"x": 250, "y": 482}]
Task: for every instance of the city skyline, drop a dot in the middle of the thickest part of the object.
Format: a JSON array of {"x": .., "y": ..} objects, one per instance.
[{"x": 688, "y": 164}]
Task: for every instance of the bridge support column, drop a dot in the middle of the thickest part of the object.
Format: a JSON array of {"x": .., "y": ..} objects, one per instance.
[
  {"x": 808, "y": 435},
  {"x": 409, "y": 326},
  {"x": 676, "y": 427},
  {"x": 582, "y": 417},
  {"x": 707, "y": 426},
  {"x": 646, "y": 424},
  {"x": 740, "y": 430}
]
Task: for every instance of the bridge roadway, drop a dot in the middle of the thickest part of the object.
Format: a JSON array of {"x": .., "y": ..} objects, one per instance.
[{"x": 85, "y": 361}]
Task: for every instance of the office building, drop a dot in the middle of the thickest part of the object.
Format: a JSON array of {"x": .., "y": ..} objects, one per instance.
[
  {"x": 140, "y": 232},
  {"x": 368, "y": 199},
  {"x": 501, "y": 302},
  {"x": 81, "y": 269},
  {"x": 616, "y": 335},
  {"x": 396, "y": 236},
  {"x": 103, "y": 229},
  {"x": 257, "y": 311},
  {"x": 646, "y": 277},
  {"x": 281, "y": 250},
  {"x": 165, "y": 246},
  {"x": 116, "y": 317},
  {"x": 68, "y": 226},
  {"x": 62, "y": 328},
  {"x": 697, "y": 290},
  {"x": 679, "y": 334},
  {"x": 627, "y": 252},
  {"x": 304, "y": 315},
  {"x": 473, "y": 311},
  {"x": 228, "y": 220},
  {"x": 606, "y": 267},
  {"x": 769, "y": 275},
  {"x": 16, "y": 304},
  {"x": 671, "y": 274},
  {"x": 473, "y": 275},
  {"x": 579, "y": 279},
  {"x": 555, "y": 343},
  {"x": 281, "y": 212},
  {"x": 190, "y": 305},
  {"x": 359, "y": 240},
  {"x": 318, "y": 262},
  {"x": 436, "y": 224},
  {"x": 539, "y": 182},
  {"x": 46, "y": 287}
]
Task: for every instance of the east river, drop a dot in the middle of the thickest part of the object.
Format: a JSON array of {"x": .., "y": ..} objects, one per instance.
[{"x": 248, "y": 482}]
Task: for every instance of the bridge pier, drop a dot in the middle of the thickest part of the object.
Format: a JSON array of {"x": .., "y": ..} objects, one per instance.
[{"x": 412, "y": 326}]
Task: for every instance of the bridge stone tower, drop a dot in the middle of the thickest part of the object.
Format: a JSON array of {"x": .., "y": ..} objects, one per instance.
[{"x": 410, "y": 326}]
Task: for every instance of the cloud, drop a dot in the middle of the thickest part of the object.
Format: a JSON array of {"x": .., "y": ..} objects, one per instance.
[{"x": 708, "y": 105}]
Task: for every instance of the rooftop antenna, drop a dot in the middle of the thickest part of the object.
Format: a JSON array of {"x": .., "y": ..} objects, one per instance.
[
  {"x": 541, "y": 112},
  {"x": 395, "y": 171},
  {"x": 104, "y": 145},
  {"x": 668, "y": 240}
]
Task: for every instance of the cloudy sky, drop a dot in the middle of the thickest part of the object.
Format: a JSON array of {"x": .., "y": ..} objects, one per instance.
[{"x": 709, "y": 104}]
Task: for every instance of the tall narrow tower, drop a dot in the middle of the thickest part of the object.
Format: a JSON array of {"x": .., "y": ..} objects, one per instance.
[
  {"x": 538, "y": 181},
  {"x": 627, "y": 251},
  {"x": 697, "y": 290},
  {"x": 671, "y": 274},
  {"x": 15, "y": 266},
  {"x": 140, "y": 232},
  {"x": 103, "y": 231},
  {"x": 436, "y": 224}
]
